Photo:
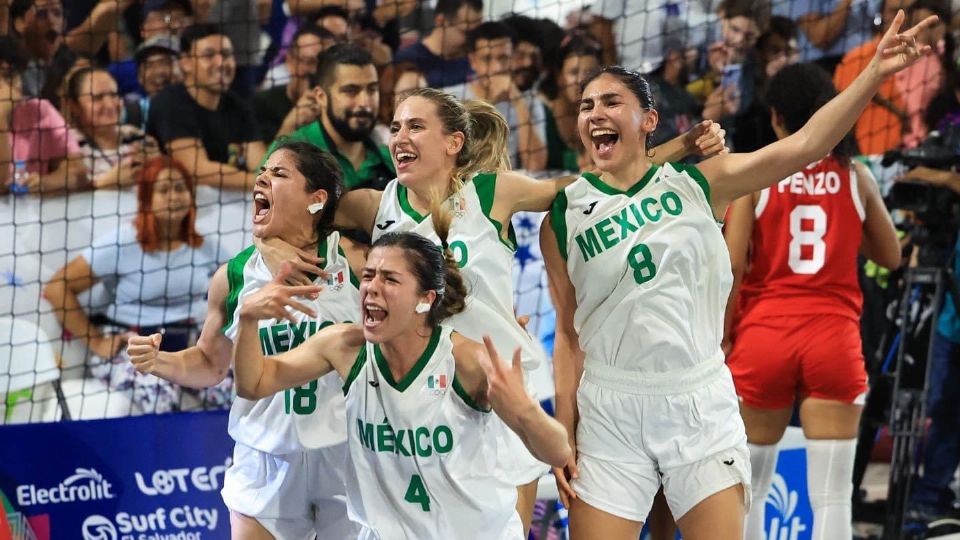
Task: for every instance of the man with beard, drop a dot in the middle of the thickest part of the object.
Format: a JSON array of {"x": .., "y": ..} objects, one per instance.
[
  {"x": 347, "y": 93},
  {"x": 282, "y": 109},
  {"x": 490, "y": 52},
  {"x": 39, "y": 26},
  {"x": 203, "y": 125},
  {"x": 527, "y": 65}
]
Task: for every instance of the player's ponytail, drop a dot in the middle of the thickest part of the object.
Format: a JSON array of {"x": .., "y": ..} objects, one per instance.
[
  {"x": 454, "y": 298},
  {"x": 486, "y": 147}
]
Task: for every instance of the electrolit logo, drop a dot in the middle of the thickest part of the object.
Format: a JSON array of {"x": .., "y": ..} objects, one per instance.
[{"x": 783, "y": 524}]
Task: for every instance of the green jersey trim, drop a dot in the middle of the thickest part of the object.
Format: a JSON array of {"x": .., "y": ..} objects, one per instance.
[
  {"x": 235, "y": 281},
  {"x": 596, "y": 182},
  {"x": 460, "y": 391},
  {"x": 356, "y": 369},
  {"x": 486, "y": 186},
  {"x": 405, "y": 205},
  {"x": 558, "y": 221},
  {"x": 695, "y": 173},
  {"x": 414, "y": 372},
  {"x": 353, "y": 277}
]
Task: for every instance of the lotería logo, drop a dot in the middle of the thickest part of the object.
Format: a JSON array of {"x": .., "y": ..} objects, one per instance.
[
  {"x": 784, "y": 525},
  {"x": 166, "y": 481},
  {"x": 98, "y": 528},
  {"x": 83, "y": 485}
]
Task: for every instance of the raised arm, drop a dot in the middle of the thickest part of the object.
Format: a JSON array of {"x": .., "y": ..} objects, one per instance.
[
  {"x": 567, "y": 356},
  {"x": 203, "y": 365},
  {"x": 500, "y": 385},
  {"x": 257, "y": 376},
  {"x": 734, "y": 175}
]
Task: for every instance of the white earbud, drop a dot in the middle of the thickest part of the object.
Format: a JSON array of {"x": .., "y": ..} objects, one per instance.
[
  {"x": 315, "y": 207},
  {"x": 422, "y": 307}
]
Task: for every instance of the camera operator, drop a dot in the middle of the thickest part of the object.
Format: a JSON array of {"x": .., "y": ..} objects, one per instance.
[{"x": 932, "y": 496}]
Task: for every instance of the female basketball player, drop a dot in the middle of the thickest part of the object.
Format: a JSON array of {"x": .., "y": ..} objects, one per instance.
[
  {"x": 422, "y": 441},
  {"x": 800, "y": 303},
  {"x": 287, "y": 479},
  {"x": 439, "y": 146},
  {"x": 640, "y": 278}
]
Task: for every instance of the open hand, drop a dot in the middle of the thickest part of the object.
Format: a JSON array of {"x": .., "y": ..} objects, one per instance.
[{"x": 274, "y": 300}]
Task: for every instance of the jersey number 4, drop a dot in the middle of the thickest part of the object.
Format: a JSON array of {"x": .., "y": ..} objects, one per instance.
[
  {"x": 417, "y": 493},
  {"x": 302, "y": 400},
  {"x": 813, "y": 237}
]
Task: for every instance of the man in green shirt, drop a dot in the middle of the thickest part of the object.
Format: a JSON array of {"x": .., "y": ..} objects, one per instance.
[{"x": 348, "y": 96}]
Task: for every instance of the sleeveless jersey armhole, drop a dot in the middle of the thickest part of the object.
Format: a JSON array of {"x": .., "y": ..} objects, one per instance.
[
  {"x": 486, "y": 186},
  {"x": 235, "y": 282},
  {"x": 855, "y": 192},
  {"x": 356, "y": 369},
  {"x": 558, "y": 221},
  {"x": 462, "y": 392}
]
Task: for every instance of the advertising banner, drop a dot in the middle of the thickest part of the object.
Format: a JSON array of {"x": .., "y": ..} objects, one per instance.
[{"x": 155, "y": 477}]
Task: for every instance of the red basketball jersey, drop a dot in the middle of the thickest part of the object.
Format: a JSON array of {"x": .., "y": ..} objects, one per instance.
[{"x": 805, "y": 242}]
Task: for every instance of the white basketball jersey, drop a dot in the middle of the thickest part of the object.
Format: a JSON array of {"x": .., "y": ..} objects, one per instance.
[
  {"x": 422, "y": 454},
  {"x": 650, "y": 269},
  {"x": 311, "y": 416},
  {"x": 484, "y": 257}
]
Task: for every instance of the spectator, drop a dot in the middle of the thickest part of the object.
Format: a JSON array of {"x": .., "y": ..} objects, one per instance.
[
  {"x": 334, "y": 19},
  {"x": 679, "y": 112},
  {"x": 775, "y": 49},
  {"x": 740, "y": 26},
  {"x": 578, "y": 57},
  {"x": 39, "y": 25},
  {"x": 239, "y": 20},
  {"x": 163, "y": 21},
  {"x": 347, "y": 93},
  {"x": 527, "y": 62},
  {"x": 201, "y": 123},
  {"x": 32, "y": 131},
  {"x": 880, "y": 127},
  {"x": 156, "y": 61},
  {"x": 396, "y": 80},
  {"x": 441, "y": 56},
  {"x": 490, "y": 51},
  {"x": 279, "y": 75},
  {"x": 275, "y": 110},
  {"x": 919, "y": 83},
  {"x": 830, "y": 28},
  {"x": 112, "y": 154},
  {"x": 156, "y": 274}
]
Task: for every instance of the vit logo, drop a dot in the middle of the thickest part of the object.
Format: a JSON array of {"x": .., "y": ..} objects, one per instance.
[
  {"x": 165, "y": 482},
  {"x": 784, "y": 526},
  {"x": 84, "y": 485},
  {"x": 98, "y": 528}
]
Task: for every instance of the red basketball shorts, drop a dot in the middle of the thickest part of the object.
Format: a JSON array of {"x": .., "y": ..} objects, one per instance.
[{"x": 778, "y": 359}]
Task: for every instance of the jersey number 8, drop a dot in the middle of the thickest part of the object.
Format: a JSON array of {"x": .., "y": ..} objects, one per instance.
[
  {"x": 641, "y": 261},
  {"x": 813, "y": 237}
]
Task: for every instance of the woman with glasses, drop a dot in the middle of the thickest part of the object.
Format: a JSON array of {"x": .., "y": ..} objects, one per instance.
[{"x": 112, "y": 153}]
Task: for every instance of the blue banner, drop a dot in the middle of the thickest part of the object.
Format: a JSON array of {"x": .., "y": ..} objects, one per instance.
[{"x": 155, "y": 477}]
